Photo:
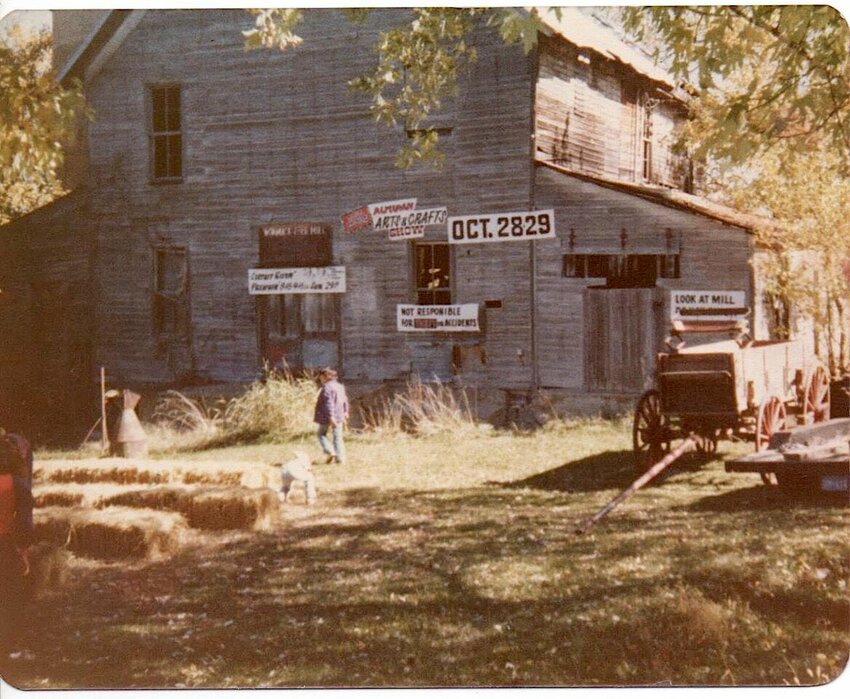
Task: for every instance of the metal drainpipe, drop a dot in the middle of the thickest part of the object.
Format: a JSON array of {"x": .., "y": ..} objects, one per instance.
[{"x": 534, "y": 58}]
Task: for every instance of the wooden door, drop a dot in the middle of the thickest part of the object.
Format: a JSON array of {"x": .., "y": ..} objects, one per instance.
[{"x": 622, "y": 333}]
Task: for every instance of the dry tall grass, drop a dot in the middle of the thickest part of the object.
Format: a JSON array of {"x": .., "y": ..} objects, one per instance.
[
  {"x": 277, "y": 407},
  {"x": 422, "y": 409}
]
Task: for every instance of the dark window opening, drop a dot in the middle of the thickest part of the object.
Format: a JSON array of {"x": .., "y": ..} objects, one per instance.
[
  {"x": 166, "y": 138},
  {"x": 171, "y": 293},
  {"x": 432, "y": 273},
  {"x": 645, "y": 106},
  {"x": 622, "y": 271}
]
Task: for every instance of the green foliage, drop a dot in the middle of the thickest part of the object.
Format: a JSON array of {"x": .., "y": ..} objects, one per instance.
[
  {"x": 419, "y": 64},
  {"x": 805, "y": 194},
  {"x": 36, "y": 116},
  {"x": 766, "y": 74}
]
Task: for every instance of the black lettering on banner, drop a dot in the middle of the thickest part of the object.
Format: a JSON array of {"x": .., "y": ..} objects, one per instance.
[
  {"x": 502, "y": 222},
  {"x": 484, "y": 232},
  {"x": 516, "y": 226},
  {"x": 457, "y": 230},
  {"x": 545, "y": 223},
  {"x": 471, "y": 234},
  {"x": 530, "y": 221}
]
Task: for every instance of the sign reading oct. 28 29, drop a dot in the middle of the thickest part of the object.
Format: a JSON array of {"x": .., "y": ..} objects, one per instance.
[{"x": 504, "y": 227}]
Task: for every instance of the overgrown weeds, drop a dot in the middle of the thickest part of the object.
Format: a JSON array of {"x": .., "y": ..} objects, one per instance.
[
  {"x": 277, "y": 407},
  {"x": 422, "y": 409}
]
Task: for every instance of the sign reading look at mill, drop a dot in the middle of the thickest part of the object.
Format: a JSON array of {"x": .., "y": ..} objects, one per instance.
[
  {"x": 707, "y": 305},
  {"x": 502, "y": 228},
  {"x": 457, "y": 318},
  {"x": 297, "y": 280}
]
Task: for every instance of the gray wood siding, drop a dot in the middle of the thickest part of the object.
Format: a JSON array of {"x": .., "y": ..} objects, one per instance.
[
  {"x": 46, "y": 328},
  {"x": 713, "y": 256},
  {"x": 275, "y": 136},
  {"x": 586, "y": 118}
]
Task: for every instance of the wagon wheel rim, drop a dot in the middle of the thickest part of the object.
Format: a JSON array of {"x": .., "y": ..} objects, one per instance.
[
  {"x": 650, "y": 431},
  {"x": 816, "y": 397},
  {"x": 772, "y": 418}
]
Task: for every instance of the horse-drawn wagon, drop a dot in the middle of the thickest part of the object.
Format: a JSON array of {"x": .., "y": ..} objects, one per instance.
[{"x": 730, "y": 388}]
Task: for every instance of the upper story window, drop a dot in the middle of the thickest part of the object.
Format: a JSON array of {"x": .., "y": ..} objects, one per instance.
[
  {"x": 431, "y": 262},
  {"x": 166, "y": 138},
  {"x": 623, "y": 271},
  {"x": 646, "y": 106}
]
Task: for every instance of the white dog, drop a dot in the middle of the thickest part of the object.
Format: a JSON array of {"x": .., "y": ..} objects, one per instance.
[{"x": 298, "y": 469}]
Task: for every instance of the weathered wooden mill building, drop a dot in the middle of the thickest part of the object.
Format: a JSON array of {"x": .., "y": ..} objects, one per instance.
[{"x": 204, "y": 161}]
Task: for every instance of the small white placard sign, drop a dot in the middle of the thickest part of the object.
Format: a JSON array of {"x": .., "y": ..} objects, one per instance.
[
  {"x": 707, "y": 305},
  {"x": 297, "y": 280},
  {"x": 455, "y": 318},
  {"x": 502, "y": 228}
]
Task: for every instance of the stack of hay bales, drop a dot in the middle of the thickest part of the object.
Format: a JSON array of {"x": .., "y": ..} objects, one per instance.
[{"x": 118, "y": 508}]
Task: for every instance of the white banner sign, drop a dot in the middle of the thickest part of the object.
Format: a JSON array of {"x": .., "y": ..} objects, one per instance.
[
  {"x": 297, "y": 280},
  {"x": 388, "y": 208},
  {"x": 458, "y": 318},
  {"x": 707, "y": 305},
  {"x": 502, "y": 228},
  {"x": 411, "y": 224}
]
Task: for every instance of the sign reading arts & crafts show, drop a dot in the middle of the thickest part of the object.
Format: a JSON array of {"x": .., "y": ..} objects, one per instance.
[
  {"x": 399, "y": 218},
  {"x": 450, "y": 318},
  {"x": 707, "y": 305},
  {"x": 297, "y": 280}
]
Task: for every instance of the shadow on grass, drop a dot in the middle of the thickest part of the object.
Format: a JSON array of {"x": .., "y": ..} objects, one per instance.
[
  {"x": 462, "y": 587},
  {"x": 768, "y": 498},
  {"x": 610, "y": 470}
]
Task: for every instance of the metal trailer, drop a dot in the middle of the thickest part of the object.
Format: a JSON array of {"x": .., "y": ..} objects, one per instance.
[
  {"x": 804, "y": 458},
  {"x": 730, "y": 388}
]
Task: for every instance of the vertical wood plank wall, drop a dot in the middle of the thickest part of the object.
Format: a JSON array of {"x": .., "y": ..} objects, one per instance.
[{"x": 586, "y": 117}]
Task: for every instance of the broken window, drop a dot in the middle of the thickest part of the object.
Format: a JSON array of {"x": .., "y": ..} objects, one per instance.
[
  {"x": 171, "y": 293},
  {"x": 432, "y": 273},
  {"x": 166, "y": 139},
  {"x": 622, "y": 271}
]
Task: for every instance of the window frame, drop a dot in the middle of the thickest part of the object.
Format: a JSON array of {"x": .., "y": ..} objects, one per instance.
[
  {"x": 418, "y": 291},
  {"x": 587, "y": 265},
  {"x": 167, "y": 133},
  {"x": 164, "y": 302}
]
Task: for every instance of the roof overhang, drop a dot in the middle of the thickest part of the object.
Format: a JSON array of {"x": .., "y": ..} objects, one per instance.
[
  {"x": 99, "y": 46},
  {"x": 674, "y": 199},
  {"x": 587, "y": 32}
]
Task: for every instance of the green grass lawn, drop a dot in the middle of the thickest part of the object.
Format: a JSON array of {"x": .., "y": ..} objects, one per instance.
[{"x": 452, "y": 560}]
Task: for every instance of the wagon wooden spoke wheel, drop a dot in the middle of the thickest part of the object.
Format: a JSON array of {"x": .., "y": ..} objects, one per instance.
[
  {"x": 816, "y": 397},
  {"x": 771, "y": 418},
  {"x": 650, "y": 431}
]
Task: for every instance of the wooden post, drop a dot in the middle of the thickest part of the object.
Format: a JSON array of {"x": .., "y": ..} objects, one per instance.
[
  {"x": 104, "y": 433},
  {"x": 639, "y": 483}
]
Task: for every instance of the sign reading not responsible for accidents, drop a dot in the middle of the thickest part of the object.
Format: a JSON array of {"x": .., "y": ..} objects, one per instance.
[
  {"x": 297, "y": 280},
  {"x": 707, "y": 305},
  {"x": 456, "y": 318},
  {"x": 502, "y": 228}
]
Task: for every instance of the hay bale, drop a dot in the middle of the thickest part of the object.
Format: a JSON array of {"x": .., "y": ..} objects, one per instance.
[
  {"x": 208, "y": 508},
  {"x": 111, "y": 533},
  {"x": 57, "y": 498},
  {"x": 74, "y": 494},
  {"x": 247, "y": 474},
  {"x": 233, "y": 508},
  {"x": 101, "y": 470}
]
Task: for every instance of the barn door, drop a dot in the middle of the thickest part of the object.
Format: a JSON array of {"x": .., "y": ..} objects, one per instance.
[
  {"x": 297, "y": 331},
  {"x": 621, "y": 330}
]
